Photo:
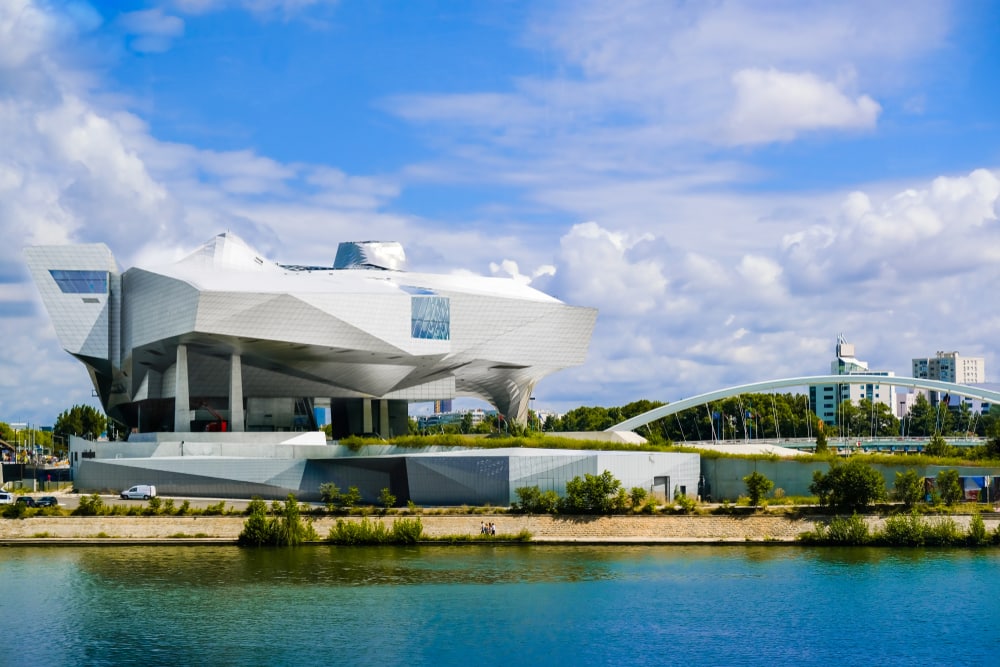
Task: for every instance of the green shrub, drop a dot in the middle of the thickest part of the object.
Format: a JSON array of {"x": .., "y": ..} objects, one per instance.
[
  {"x": 904, "y": 530},
  {"x": 256, "y": 531},
  {"x": 331, "y": 496},
  {"x": 184, "y": 509},
  {"x": 91, "y": 505},
  {"x": 288, "y": 528},
  {"x": 850, "y": 530},
  {"x": 351, "y": 497},
  {"x": 285, "y": 528},
  {"x": 407, "y": 531},
  {"x": 977, "y": 536},
  {"x": 386, "y": 499},
  {"x": 938, "y": 446},
  {"x": 153, "y": 507},
  {"x": 218, "y": 509},
  {"x": 949, "y": 486},
  {"x": 909, "y": 487},
  {"x": 943, "y": 532},
  {"x": 593, "y": 494},
  {"x": 757, "y": 487},
  {"x": 15, "y": 511},
  {"x": 848, "y": 486},
  {"x": 686, "y": 504},
  {"x": 532, "y": 500},
  {"x": 365, "y": 531}
]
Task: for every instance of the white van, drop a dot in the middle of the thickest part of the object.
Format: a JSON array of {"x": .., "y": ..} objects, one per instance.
[
  {"x": 139, "y": 491},
  {"x": 6, "y": 498}
]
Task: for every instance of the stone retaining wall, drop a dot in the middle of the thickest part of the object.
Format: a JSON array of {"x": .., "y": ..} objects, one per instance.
[{"x": 625, "y": 529}]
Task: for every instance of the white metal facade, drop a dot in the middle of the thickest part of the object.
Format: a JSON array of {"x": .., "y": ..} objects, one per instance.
[{"x": 225, "y": 334}]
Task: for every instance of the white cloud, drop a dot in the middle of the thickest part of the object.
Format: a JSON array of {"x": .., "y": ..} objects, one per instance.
[
  {"x": 698, "y": 286},
  {"x": 151, "y": 29},
  {"x": 595, "y": 267},
  {"x": 635, "y": 79},
  {"x": 261, "y": 8},
  {"x": 778, "y": 106},
  {"x": 761, "y": 273}
]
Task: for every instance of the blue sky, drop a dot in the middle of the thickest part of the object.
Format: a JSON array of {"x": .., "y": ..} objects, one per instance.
[{"x": 732, "y": 184}]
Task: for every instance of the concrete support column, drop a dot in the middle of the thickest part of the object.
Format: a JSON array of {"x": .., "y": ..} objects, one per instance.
[
  {"x": 182, "y": 398},
  {"x": 366, "y": 415},
  {"x": 236, "y": 393},
  {"x": 383, "y": 418}
]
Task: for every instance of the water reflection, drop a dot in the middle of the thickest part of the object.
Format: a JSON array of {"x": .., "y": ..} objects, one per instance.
[
  {"x": 439, "y": 605},
  {"x": 354, "y": 566}
]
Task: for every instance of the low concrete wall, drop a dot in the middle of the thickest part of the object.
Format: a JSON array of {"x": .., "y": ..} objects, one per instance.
[
  {"x": 725, "y": 475},
  {"x": 610, "y": 529}
]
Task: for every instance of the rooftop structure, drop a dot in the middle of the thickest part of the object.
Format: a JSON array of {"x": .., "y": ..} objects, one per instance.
[
  {"x": 226, "y": 340},
  {"x": 951, "y": 367},
  {"x": 824, "y": 400}
]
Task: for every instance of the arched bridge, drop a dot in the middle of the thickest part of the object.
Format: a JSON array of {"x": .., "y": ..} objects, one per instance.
[{"x": 769, "y": 385}]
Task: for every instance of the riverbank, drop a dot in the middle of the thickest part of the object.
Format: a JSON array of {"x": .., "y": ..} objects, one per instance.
[{"x": 637, "y": 529}]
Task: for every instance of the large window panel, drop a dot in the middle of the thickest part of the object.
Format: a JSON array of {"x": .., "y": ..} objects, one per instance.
[
  {"x": 81, "y": 282},
  {"x": 430, "y": 317}
]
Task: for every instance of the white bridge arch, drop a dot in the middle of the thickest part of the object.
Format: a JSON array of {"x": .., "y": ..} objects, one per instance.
[{"x": 768, "y": 385}]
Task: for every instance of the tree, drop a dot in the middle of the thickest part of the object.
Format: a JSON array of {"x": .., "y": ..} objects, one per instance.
[
  {"x": 937, "y": 446},
  {"x": 592, "y": 494},
  {"x": 351, "y": 497},
  {"x": 992, "y": 446},
  {"x": 386, "y": 499},
  {"x": 849, "y": 486},
  {"x": 587, "y": 419},
  {"x": 821, "y": 445},
  {"x": 466, "y": 425},
  {"x": 949, "y": 486},
  {"x": 921, "y": 417},
  {"x": 330, "y": 494},
  {"x": 909, "y": 487},
  {"x": 757, "y": 487},
  {"x": 83, "y": 421}
]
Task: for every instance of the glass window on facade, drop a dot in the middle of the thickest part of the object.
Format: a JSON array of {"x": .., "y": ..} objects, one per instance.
[
  {"x": 81, "y": 282},
  {"x": 430, "y": 317}
]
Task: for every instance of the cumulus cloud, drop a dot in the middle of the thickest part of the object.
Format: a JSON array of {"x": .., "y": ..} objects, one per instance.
[
  {"x": 596, "y": 267},
  {"x": 778, "y": 106},
  {"x": 945, "y": 228},
  {"x": 900, "y": 272}
]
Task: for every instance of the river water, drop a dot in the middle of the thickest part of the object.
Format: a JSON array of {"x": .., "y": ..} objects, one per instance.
[{"x": 499, "y": 605}]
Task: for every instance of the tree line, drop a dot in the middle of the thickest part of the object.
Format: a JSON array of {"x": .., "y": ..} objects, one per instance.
[{"x": 742, "y": 417}]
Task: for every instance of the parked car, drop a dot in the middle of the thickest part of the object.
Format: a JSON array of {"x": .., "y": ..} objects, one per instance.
[
  {"x": 27, "y": 501},
  {"x": 139, "y": 491},
  {"x": 6, "y": 498},
  {"x": 47, "y": 501}
]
